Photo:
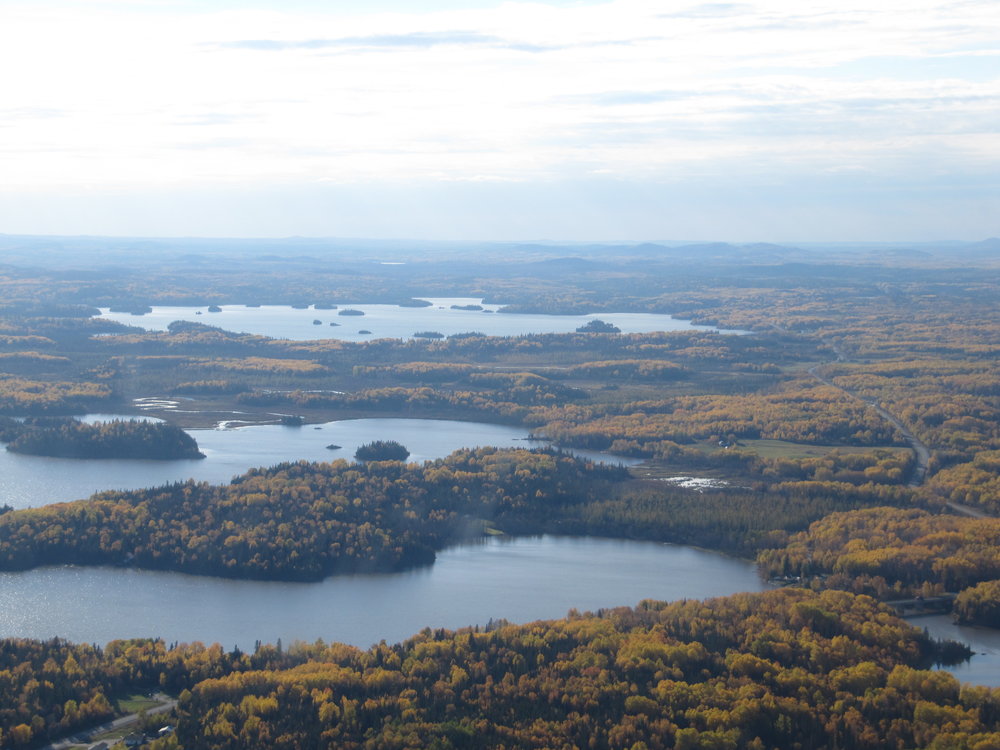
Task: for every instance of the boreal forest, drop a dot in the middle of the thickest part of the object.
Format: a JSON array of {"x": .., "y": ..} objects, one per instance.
[{"x": 837, "y": 410}]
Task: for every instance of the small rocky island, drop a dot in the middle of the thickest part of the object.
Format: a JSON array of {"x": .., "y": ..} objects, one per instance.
[{"x": 60, "y": 437}]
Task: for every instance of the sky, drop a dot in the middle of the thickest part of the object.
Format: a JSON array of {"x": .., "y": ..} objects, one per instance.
[{"x": 624, "y": 120}]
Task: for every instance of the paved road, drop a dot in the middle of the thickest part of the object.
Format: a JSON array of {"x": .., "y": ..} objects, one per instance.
[
  {"x": 921, "y": 451},
  {"x": 122, "y": 722}
]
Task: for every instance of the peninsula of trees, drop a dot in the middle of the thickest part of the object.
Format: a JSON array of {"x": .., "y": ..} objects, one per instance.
[{"x": 302, "y": 521}]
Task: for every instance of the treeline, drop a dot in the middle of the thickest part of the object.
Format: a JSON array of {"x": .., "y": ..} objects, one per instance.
[
  {"x": 787, "y": 668},
  {"x": 893, "y": 553},
  {"x": 979, "y": 604},
  {"x": 799, "y": 411},
  {"x": 70, "y": 438},
  {"x": 738, "y": 520},
  {"x": 625, "y": 370},
  {"x": 427, "y": 402},
  {"x": 24, "y": 396}
]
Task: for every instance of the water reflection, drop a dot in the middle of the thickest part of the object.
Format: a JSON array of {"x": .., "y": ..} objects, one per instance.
[{"x": 516, "y": 579}]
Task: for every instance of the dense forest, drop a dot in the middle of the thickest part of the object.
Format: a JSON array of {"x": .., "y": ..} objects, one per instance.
[
  {"x": 70, "y": 438},
  {"x": 895, "y": 553}
]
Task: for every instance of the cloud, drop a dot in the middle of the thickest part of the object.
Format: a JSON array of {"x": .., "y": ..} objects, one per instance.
[
  {"x": 627, "y": 98},
  {"x": 519, "y": 92},
  {"x": 8, "y": 115},
  {"x": 418, "y": 39},
  {"x": 711, "y": 10}
]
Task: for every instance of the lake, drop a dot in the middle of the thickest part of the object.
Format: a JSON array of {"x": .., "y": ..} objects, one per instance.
[
  {"x": 393, "y": 321},
  {"x": 30, "y": 481},
  {"x": 520, "y": 580}
]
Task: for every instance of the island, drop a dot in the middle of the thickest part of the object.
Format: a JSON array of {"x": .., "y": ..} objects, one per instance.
[
  {"x": 349, "y": 311},
  {"x": 137, "y": 308},
  {"x": 598, "y": 326},
  {"x": 382, "y": 450},
  {"x": 69, "y": 438}
]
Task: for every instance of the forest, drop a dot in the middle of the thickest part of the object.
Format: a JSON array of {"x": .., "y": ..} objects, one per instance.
[
  {"x": 851, "y": 429},
  {"x": 894, "y": 553},
  {"x": 304, "y": 521},
  {"x": 789, "y": 668},
  {"x": 71, "y": 438}
]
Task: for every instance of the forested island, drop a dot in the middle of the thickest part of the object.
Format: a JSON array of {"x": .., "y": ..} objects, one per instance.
[{"x": 71, "y": 438}]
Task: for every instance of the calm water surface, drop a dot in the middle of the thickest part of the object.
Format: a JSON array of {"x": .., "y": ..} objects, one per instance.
[
  {"x": 30, "y": 481},
  {"x": 520, "y": 580},
  {"x": 984, "y": 667},
  {"x": 392, "y": 321}
]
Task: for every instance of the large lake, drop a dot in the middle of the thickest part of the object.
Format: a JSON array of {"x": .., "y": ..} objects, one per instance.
[
  {"x": 30, "y": 481},
  {"x": 392, "y": 321},
  {"x": 517, "y": 579}
]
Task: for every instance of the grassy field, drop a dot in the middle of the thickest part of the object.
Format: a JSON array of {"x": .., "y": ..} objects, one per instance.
[
  {"x": 655, "y": 469},
  {"x": 133, "y": 704},
  {"x": 783, "y": 449}
]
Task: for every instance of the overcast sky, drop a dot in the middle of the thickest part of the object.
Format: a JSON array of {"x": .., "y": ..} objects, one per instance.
[{"x": 768, "y": 120}]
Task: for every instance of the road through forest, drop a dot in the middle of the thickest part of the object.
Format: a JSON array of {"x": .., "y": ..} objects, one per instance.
[{"x": 920, "y": 450}]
